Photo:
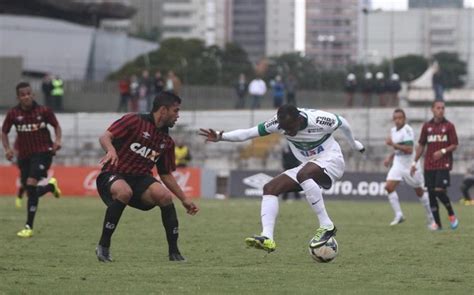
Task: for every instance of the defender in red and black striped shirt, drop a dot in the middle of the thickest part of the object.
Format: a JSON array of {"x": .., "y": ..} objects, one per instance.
[
  {"x": 439, "y": 135},
  {"x": 135, "y": 144},
  {"x": 35, "y": 148}
]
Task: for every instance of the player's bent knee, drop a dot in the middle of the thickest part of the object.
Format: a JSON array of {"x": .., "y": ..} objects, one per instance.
[
  {"x": 303, "y": 176},
  {"x": 269, "y": 189},
  {"x": 124, "y": 195}
]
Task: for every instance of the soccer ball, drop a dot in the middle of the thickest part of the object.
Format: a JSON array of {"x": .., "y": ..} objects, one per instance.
[{"x": 326, "y": 252}]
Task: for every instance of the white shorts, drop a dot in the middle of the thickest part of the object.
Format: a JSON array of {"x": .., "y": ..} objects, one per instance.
[
  {"x": 332, "y": 163},
  {"x": 396, "y": 173}
]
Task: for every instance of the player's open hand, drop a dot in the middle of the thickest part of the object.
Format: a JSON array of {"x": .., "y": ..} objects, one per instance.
[
  {"x": 211, "y": 134},
  {"x": 412, "y": 170},
  {"x": 9, "y": 154},
  {"x": 56, "y": 146},
  {"x": 437, "y": 155},
  {"x": 387, "y": 162},
  {"x": 190, "y": 207},
  {"x": 111, "y": 158}
]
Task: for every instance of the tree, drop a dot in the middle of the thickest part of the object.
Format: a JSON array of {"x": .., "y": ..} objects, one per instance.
[{"x": 452, "y": 69}]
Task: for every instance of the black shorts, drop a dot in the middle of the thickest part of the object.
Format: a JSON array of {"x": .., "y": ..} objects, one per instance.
[
  {"x": 36, "y": 166},
  {"x": 437, "y": 179},
  {"x": 138, "y": 184}
]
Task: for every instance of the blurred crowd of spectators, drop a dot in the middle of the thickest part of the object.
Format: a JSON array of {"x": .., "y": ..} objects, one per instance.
[
  {"x": 385, "y": 90},
  {"x": 137, "y": 93},
  {"x": 257, "y": 88}
]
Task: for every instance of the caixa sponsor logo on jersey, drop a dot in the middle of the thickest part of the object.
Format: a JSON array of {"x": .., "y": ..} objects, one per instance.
[
  {"x": 437, "y": 138},
  {"x": 145, "y": 151},
  {"x": 30, "y": 127}
]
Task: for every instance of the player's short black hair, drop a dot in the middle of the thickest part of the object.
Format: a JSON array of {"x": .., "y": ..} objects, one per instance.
[
  {"x": 434, "y": 102},
  {"x": 21, "y": 85},
  {"x": 287, "y": 111},
  {"x": 165, "y": 98},
  {"x": 400, "y": 111}
]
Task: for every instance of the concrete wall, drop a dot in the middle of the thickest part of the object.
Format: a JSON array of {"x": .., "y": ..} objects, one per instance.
[{"x": 10, "y": 73}]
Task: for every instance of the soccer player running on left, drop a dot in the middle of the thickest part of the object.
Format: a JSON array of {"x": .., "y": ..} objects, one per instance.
[
  {"x": 309, "y": 134},
  {"x": 134, "y": 144},
  {"x": 402, "y": 139},
  {"x": 35, "y": 148}
]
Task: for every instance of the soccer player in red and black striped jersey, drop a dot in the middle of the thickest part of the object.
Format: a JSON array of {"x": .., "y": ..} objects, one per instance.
[
  {"x": 440, "y": 138},
  {"x": 35, "y": 148},
  {"x": 135, "y": 144}
]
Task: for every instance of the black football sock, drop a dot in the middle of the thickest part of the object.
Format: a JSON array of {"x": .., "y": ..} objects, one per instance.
[
  {"x": 434, "y": 207},
  {"x": 443, "y": 197},
  {"x": 170, "y": 223},
  {"x": 32, "y": 204},
  {"x": 111, "y": 219},
  {"x": 43, "y": 189}
]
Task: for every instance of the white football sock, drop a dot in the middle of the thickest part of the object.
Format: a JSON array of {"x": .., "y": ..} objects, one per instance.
[
  {"x": 425, "y": 201},
  {"x": 269, "y": 213},
  {"x": 393, "y": 199},
  {"x": 315, "y": 200}
]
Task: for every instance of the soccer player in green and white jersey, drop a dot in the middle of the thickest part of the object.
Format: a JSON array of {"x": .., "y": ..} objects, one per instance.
[
  {"x": 402, "y": 139},
  {"x": 309, "y": 133}
]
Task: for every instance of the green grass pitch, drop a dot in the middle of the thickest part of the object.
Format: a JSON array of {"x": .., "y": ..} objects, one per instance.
[{"x": 373, "y": 259}]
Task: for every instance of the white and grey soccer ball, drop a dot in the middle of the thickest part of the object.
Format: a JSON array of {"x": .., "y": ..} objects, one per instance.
[{"x": 325, "y": 253}]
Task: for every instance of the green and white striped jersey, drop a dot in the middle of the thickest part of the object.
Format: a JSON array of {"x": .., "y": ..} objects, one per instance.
[{"x": 315, "y": 138}]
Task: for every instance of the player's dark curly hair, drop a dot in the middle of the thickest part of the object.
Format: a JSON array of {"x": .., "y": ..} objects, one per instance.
[
  {"x": 165, "y": 98},
  {"x": 288, "y": 111},
  {"x": 400, "y": 111},
  {"x": 21, "y": 85}
]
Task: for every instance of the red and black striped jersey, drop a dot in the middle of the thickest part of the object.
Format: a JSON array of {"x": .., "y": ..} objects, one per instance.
[
  {"x": 437, "y": 136},
  {"x": 140, "y": 146},
  {"x": 31, "y": 127}
]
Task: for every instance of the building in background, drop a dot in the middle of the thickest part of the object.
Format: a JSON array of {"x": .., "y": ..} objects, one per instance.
[
  {"x": 264, "y": 27},
  {"x": 435, "y": 4},
  {"x": 421, "y": 31},
  {"x": 332, "y": 29},
  {"x": 70, "y": 50},
  {"x": 148, "y": 16},
  {"x": 280, "y": 27}
]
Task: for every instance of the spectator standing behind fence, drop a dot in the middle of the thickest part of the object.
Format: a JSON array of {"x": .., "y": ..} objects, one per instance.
[
  {"x": 438, "y": 87},
  {"x": 278, "y": 90},
  {"x": 241, "y": 91},
  {"x": 57, "y": 93},
  {"x": 158, "y": 83},
  {"x": 393, "y": 87},
  {"x": 291, "y": 86},
  {"x": 350, "y": 88},
  {"x": 380, "y": 87},
  {"x": 257, "y": 90},
  {"x": 367, "y": 88},
  {"x": 134, "y": 93},
  {"x": 124, "y": 89},
  {"x": 146, "y": 84},
  {"x": 173, "y": 83},
  {"x": 46, "y": 88}
]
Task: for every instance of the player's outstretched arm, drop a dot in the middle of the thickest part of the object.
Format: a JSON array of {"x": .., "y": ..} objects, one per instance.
[
  {"x": 233, "y": 136},
  {"x": 346, "y": 129},
  {"x": 170, "y": 182},
  {"x": 111, "y": 154}
]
